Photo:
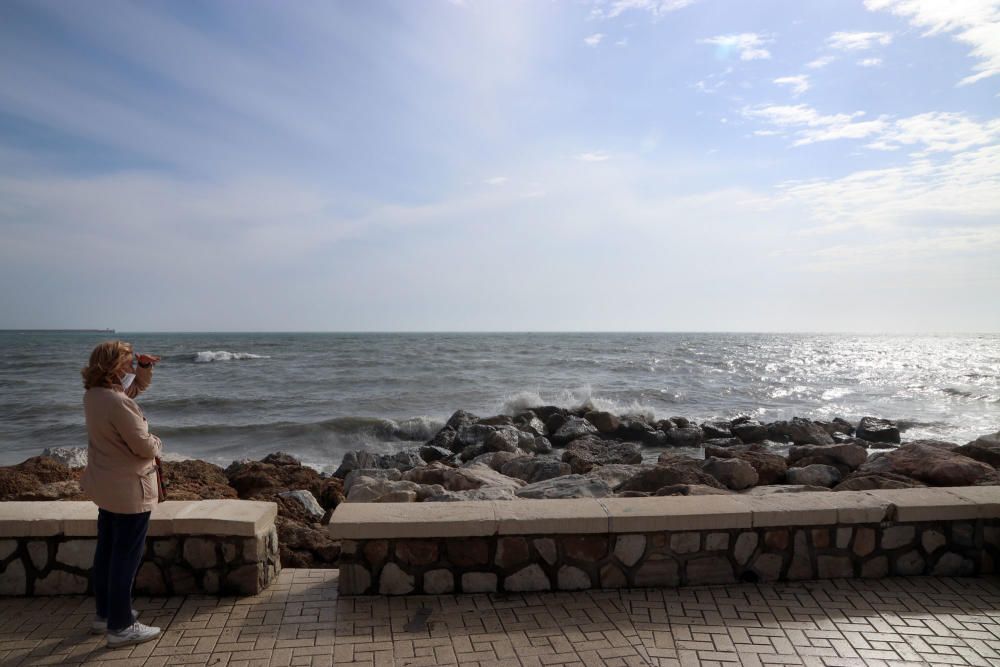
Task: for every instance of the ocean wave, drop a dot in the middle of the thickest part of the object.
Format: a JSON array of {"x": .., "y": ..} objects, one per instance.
[
  {"x": 971, "y": 395},
  {"x": 222, "y": 355},
  {"x": 574, "y": 399},
  {"x": 416, "y": 429}
]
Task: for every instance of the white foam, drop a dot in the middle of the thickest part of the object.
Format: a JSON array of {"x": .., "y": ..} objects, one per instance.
[
  {"x": 208, "y": 356},
  {"x": 572, "y": 399}
]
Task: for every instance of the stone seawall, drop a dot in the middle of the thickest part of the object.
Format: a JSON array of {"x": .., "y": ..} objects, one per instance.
[
  {"x": 213, "y": 547},
  {"x": 618, "y": 543}
]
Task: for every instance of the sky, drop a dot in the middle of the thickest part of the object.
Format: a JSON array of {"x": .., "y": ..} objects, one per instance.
[{"x": 610, "y": 165}]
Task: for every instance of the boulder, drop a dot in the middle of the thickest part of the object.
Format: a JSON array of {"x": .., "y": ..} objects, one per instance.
[
  {"x": 68, "y": 489},
  {"x": 431, "y": 453},
  {"x": 543, "y": 412},
  {"x": 352, "y": 461},
  {"x": 748, "y": 430},
  {"x": 815, "y": 474},
  {"x": 722, "y": 442},
  {"x": 461, "y": 479},
  {"x": 616, "y": 473},
  {"x": 844, "y": 457},
  {"x": 306, "y": 546},
  {"x": 933, "y": 465},
  {"x": 498, "y": 420},
  {"x": 637, "y": 428},
  {"x": 281, "y": 459},
  {"x": 605, "y": 422},
  {"x": 541, "y": 445},
  {"x": 445, "y": 439},
  {"x": 684, "y": 436},
  {"x": 460, "y": 418},
  {"x": 769, "y": 490},
  {"x": 504, "y": 439},
  {"x": 568, "y": 486},
  {"x": 495, "y": 460},
  {"x": 401, "y": 461},
  {"x": 837, "y": 425},
  {"x": 571, "y": 429},
  {"x": 691, "y": 490},
  {"x": 45, "y": 469},
  {"x": 372, "y": 489},
  {"x": 583, "y": 454},
  {"x": 770, "y": 467},
  {"x": 669, "y": 470},
  {"x": 390, "y": 475},
  {"x": 308, "y": 502},
  {"x": 874, "y": 429},
  {"x": 716, "y": 429},
  {"x": 733, "y": 473},
  {"x": 554, "y": 421},
  {"x": 487, "y": 493},
  {"x": 195, "y": 480},
  {"x": 529, "y": 423},
  {"x": 985, "y": 448},
  {"x": 680, "y": 422},
  {"x": 866, "y": 481},
  {"x": 799, "y": 431},
  {"x": 71, "y": 457},
  {"x": 472, "y": 434},
  {"x": 532, "y": 469}
]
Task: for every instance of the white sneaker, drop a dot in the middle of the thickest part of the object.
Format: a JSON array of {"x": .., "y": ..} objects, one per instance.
[
  {"x": 137, "y": 633},
  {"x": 100, "y": 625}
]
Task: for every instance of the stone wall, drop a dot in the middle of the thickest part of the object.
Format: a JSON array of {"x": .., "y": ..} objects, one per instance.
[
  {"x": 577, "y": 562},
  {"x": 214, "y": 547},
  {"x": 672, "y": 541}
]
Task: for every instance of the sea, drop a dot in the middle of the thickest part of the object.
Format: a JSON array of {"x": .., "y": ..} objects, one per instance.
[{"x": 221, "y": 397}]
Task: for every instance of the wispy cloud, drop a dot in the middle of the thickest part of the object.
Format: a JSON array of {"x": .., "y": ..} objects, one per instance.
[
  {"x": 870, "y": 62},
  {"x": 820, "y": 62},
  {"x": 808, "y": 126},
  {"x": 656, "y": 8},
  {"x": 749, "y": 45},
  {"x": 496, "y": 180},
  {"x": 799, "y": 83},
  {"x": 592, "y": 156},
  {"x": 972, "y": 22},
  {"x": 858, "y": 41},
  {"x": 938, "y": 132},
  {"x": 593, "y": 40}
]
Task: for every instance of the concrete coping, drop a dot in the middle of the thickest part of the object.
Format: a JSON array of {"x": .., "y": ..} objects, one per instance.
[
  {"x": 237, "y": 518},
  {"x": 362, "y": 521}
]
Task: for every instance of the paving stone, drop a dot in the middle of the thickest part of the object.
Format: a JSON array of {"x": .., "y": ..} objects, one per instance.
[
  {"x": 394, "y": 581},
  {"x": 834, "y": 567},
  {"x": 479, "y": 582},
  {"x": 709, "y": 570},
  {"x": 571, "y": 578},
  {"x": 438, "y": 582},
  {"x": 629, "y": 548},
  {"x": 531, "y": 578},
  {"x": 875, "y": 567}
]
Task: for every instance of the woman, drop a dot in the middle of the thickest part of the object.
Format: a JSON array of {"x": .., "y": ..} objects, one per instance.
[{"x": 121, "y": 478}]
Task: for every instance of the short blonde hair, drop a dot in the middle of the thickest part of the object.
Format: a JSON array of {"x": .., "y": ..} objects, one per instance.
[{"x": 106, "y": 361}]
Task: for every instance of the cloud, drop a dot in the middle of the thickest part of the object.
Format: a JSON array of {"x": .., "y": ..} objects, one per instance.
[
  {"x": 799, "y": 83},
  {"x": 593, "y": 40},
  {"x": 938, "y": 132},
  {"x": 656, "y": 8},
  {"x": 870, "y": 62},
  {"x": 808, "y": 126},
  {"x": 496, "y": 180},
  {"x": 820, "y": 62},
  {"x": 972, "y": 22},
  {"x": 749, "y": 45},
  {"x": 593, "y": 156},
  {"x": 857, "y": 41}
]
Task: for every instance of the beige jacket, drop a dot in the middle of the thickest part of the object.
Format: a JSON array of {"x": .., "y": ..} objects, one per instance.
[{"x": 120, "y": 475}]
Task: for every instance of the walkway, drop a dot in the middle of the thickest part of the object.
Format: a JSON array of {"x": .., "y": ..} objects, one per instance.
[{"x": 301, "y": 621}]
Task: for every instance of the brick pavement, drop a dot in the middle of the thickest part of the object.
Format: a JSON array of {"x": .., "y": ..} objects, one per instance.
[{"x": 300, "y": 620}]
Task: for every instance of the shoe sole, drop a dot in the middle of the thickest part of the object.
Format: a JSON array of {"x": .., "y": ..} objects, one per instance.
[
  {"x": 102, "y": 629},
  {"x": 133, "y": 642}
]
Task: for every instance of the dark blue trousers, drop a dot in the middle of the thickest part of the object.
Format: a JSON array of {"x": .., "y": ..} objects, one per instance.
[{"x": 121, "y": 539}]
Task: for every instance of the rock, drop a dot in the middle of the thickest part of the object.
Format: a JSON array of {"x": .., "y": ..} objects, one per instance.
[
  {"x": 45, "y": 469},
  {"x": 985, "y": 448},
  {"x": 351, "y": 461},
  {"x": 816, "y": 474},
  {"x": 722, "y": 442},
  {"x": 616, "y": 473},
  {"x": 503, "y": 440},
  {"x": 71, "y": 457},
  {"x": 497, "y": 420},
  {"x": 680, "y": 422},
  {"x": 541, "y": 445},
  {"x": 668, "y": 471},
  {"x": 584, "y": 453},
  {"x": 530, "y": 578},
  {"x": 308, "y": 501},
  {"x": 402, "y": 461},
  {"x": 932, "y": 465},
  {"x": 461, "y": 418},
  {"x": 691, "y": 490},
  {"x": 67, "y": 490},
  {"x": 472, "y": 434},
  {"x": 15, "y": 484},
  {"x": 637, "y": 428},
  {"x": 571, "y": 429},
  {"x": 471, "y": 452},
  {"x": 533, "y": 425},
  {"x": 444, "y": 439},
  {"x": 495, "y": 460},
  {"x": 306, "y": 546},
  {"x": 532, "y": 469},
  {"x": 716, "y": 429},
  {"x": 874, "y": 429},
  {"x": 431, "y": 453},
  {"x": 837, "y": 425},
  {"x": 782, "y": 488},
  {"x": 799, "y": 431},
  {"x": 568, "y": 486},
  {"x": 749, "y": 430},
  {"x": 485, "y": 493},
  {"x": 733, "y": 473},
  {"x": 77, "y": 553},
  {"x": 391, "y": 475},
  {"x": 866, "y": 481},
  {"x": 684, "y": 436},
  {"x": 195, "y": 480},
  {"x": 281, "y": 459},
  {"x": 605, "y": 422},
  {"x": 554, "y": 421},
  {"x": 770, "y": 467},
  {"x": 370, "y": 489},
  {"x": 461, "y": 479},
  {"x": 844, "y": 457},
  {"x": 394, "y": 581}
]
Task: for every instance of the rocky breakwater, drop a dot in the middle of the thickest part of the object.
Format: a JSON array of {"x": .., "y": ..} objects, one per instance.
[
  {"x": 552, "y": 452},
  {"x": 305, "y": 498}
]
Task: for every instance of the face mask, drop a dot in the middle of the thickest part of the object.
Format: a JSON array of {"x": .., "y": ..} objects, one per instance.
[{"x": 127, "y": 380}]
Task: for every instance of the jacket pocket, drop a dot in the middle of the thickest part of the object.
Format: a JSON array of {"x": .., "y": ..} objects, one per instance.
[{"x": 147, "y": 483}]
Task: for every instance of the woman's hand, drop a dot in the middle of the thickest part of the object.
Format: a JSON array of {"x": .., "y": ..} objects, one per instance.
[{"x": 147, "y": 359}]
